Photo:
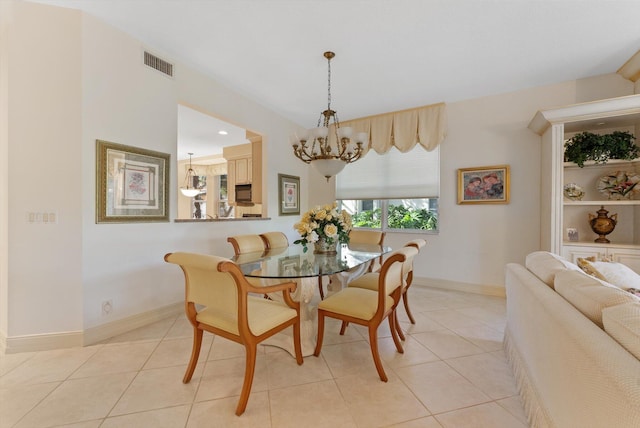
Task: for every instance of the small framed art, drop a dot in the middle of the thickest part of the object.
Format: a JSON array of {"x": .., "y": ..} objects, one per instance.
[
  {"x": 483, "y": 185},
  {"x": 288, "y": 194},
  {"x": 132, "y": 184}
]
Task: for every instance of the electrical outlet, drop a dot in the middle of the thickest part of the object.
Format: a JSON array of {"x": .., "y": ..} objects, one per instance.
[{"x": 107, "y": 307}]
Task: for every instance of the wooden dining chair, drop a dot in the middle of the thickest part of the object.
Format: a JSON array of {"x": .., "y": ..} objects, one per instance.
[
  {"x": 371, "y": 237},
  {"x": 370, "y": 281},
  {"x": 217, "y": 300},
  {"x": 274, "y": 240},
  {"x": 246, "y": 244},
  {"x": 369, "y": 307},
  {"x": 408, "y": 279}
]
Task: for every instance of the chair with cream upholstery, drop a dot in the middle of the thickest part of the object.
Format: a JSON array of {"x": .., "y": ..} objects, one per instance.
[
  {"x": 218, "y": 301},
  {"x": 408, "y": 279},
  {"x": 274, "y": 240},
  {"x": 367, "y": 237},
  {"x": 370, "y": 281},
  {"x": 246, "y": 244},
  {"x": 369, "y": 307},
  {"x": 372, "y": 237}
]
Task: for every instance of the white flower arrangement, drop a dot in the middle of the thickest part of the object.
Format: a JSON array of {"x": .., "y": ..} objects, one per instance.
[{"x": 324, "y": 222}]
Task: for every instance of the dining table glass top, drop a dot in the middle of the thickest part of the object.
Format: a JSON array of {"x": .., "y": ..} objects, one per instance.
[{"x": 294, "y": 262}]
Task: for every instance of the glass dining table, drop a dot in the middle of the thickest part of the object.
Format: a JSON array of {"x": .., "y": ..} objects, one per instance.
[{"x": 294, "y": 264}]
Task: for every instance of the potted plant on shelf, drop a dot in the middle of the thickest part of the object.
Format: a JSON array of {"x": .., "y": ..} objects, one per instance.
[{"x": 587, "y": 146}]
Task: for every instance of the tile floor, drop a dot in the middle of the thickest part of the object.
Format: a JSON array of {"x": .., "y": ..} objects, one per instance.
[{"x": 453, "y": 374}]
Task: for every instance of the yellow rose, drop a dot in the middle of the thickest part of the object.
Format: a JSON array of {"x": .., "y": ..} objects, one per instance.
[
  {"x": 321, "y": 215},
  {"x": 331, "y": 230}
]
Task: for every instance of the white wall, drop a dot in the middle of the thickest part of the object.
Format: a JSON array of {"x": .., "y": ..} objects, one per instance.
[{"x": 73, "y": 79}]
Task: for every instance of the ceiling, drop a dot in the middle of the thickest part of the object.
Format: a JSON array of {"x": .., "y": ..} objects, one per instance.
[{"x": 390, "y": 55}]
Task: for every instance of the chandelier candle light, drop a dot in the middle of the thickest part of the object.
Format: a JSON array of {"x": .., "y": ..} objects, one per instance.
[
  {"x": 317, "y": 148},
  {"x": 188, "y": 190}
]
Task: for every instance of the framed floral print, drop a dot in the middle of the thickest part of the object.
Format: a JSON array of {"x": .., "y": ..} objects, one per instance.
[
  {"x": 132, "y": 184},
  {"x": 288, "y": 194}
]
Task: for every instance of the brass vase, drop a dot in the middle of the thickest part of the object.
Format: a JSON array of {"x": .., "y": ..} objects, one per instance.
[{"x": 603, "y": 224}]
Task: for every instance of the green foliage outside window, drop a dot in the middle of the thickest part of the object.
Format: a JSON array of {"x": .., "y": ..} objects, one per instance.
[{"x": 399, "y": 217}]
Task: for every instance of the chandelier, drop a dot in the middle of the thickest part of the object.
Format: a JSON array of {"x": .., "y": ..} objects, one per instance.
[
  {"x": 329, "y": 154},
  {"x": 188, "y": 190}
]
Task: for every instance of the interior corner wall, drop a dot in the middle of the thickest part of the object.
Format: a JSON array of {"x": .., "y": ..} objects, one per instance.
[
  {"x": 44, "y": 288},
  {"x": 5, "y": 20}
]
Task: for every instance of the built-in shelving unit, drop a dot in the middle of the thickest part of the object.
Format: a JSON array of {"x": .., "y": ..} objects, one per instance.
[{"x": 560, "y": 213}]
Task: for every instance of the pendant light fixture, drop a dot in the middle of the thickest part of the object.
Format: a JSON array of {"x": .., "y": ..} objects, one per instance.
[
  {"x": 188, "y": 190},
  {"x": 329, "y": 156}
]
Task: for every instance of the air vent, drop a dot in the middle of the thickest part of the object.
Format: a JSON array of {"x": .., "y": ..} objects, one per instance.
[{"x": 158, "y": 64}]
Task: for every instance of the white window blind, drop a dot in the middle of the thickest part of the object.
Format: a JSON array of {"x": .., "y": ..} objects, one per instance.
[{"x": 411, "y": 175}]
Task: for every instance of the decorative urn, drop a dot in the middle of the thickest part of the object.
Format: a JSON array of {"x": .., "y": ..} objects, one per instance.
[{"x": 602, "y": 224}]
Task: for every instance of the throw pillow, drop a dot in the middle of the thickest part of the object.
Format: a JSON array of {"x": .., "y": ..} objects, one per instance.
[
  {"x": 614, "y": 273},
  {"x": 590, "y": 295}
]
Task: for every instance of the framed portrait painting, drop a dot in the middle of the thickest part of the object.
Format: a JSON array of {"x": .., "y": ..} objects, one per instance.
[
  {"x": 483, "y": 185},
  {"x": 288, "y": 194},
  {"x": 132, "y": 184}
]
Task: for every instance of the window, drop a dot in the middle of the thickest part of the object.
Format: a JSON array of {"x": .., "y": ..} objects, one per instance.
[
  {"x": 394, "y": 214},
  {"x": 394, "y": 191}
]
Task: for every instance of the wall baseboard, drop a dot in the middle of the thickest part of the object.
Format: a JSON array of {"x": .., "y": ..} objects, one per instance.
[
  {"x": 102, "y": 332},
  {"x": 489, "y": 290},
  {"x": 90, "y": 336}
]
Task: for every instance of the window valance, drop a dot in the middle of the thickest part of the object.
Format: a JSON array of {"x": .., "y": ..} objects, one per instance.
[{"x": 404, "y": 129}]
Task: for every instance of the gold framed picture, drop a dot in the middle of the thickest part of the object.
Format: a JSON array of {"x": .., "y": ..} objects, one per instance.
[
  {"x": 288, "y": 194},
  {"x": 132, "y": 184},
  {"x": 483, "y": 185}
]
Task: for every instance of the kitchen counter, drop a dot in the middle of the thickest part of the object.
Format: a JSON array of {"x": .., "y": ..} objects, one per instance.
[{"x": 209, "y": 220}]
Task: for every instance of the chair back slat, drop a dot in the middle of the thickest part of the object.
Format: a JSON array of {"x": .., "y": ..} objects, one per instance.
[
  {"x": 274, "y": 240},
  {"x": 372, "y": 237}
]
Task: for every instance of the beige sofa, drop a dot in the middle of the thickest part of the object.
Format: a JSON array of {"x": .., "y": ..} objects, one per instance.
[{"x": 570, "y": 370}]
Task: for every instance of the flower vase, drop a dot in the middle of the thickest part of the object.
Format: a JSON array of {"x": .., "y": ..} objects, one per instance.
[{"x": 323, "y": 246}]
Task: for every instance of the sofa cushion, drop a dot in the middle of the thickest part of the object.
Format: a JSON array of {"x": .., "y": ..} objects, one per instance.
[
  {"x": 622, "y": 322},
  {"x": 589, "y": 295},
  {"x": 614, "y": 273},
  {"x": 545, "y": 265}
]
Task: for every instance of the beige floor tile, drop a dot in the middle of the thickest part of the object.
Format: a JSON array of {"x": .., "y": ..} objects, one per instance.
[
  {"x": 452, "y": 319},
  {"x": 283, "y": 370},
  {"x": 447, "y": 344},
  {"x": 451, "y": 371},
  {"x": 9, "y": 362},
  {"x": 440, "y": 387},
  {"x": 315, "y": 405},
  {"x": 222, "y": 348},
  {"x": 414, "y": 353},
  {"x": 423, "y": 323},
  {"x": 116, "y": 359},
  {"x": 17, "y": 401},
  {"x": 373, "y": 403},
  {"x": 155, "y": 389},
  {"x": 87, "y": 424},
  {"x": 484, "y": 337},
  {"x": 428, "y": 422},
  {"x": 162, "y": 418},
  {"x": 514, "y": 406},
  {"x": 353, "y": 358},
  {"x": 224, "y": 378},
  {"x": 488, "y": 373},
  {"x": 489, "y": 415},
  {"x": 177, "y": 352},
  {"x": 182, "y": 328},
  {"x": 48, "y": 366},
  {"x": 78, "y": 400},
  {"x": 221, "y": 413},
  {"x": 155, "y": 331}
]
